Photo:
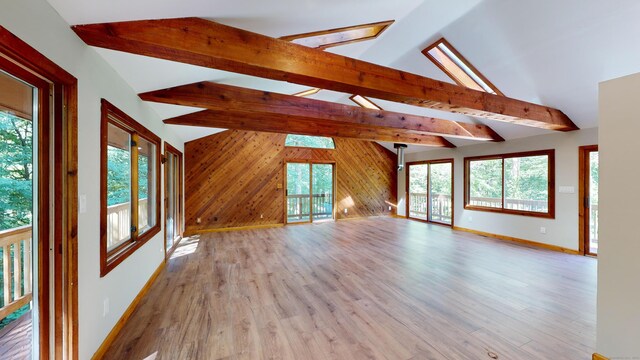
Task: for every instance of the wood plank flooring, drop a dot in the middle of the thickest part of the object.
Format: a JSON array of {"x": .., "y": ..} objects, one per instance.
[{"x": 380, "y": 288}]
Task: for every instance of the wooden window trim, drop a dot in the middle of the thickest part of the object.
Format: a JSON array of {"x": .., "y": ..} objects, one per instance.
[
  {"x": 550, "y": 214},
  {"x": 407, "y": 180},
  {"x": 466, "y": 62},
  {"x": 110, "y": 259}
]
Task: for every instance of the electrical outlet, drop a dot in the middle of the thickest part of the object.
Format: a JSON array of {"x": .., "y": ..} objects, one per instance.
[
  {"x": 389, "y": 208},
  {"x": 198, "y": 220},
  {"x": 543, "y": 230},
  {"x": 346, "y": 210},
  {"x": 105, "y": 307},
  {"x": 261, "y": 216}
]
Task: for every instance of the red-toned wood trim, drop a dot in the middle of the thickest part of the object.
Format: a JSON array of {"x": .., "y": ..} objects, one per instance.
[
  {"x": 407, "y": 182},
  {"x": 444, "y": 41},
  {"x": 58, "y": 88},
  {"x": 584, "y": 216},
  {"x": 550, "y": 214},
  {"x": 110, "y": 259}
]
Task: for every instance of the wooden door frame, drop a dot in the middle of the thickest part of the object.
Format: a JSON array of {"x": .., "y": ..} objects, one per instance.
[
  {"x": 407, "y": 180},
  {"x": 584, "y": 170},
  {"x": 310, "y": 162},
  {"x": 168, "y": 148},
  {"x": 58, "y": 134}
]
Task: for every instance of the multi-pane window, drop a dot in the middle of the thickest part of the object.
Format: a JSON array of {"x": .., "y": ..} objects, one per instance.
[
  {"x": 520, "y": 183},
  {"x": 130, "y": 186}
]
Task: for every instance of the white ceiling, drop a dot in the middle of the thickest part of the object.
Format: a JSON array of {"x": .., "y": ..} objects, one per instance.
[{"x": 552, "y": 52}]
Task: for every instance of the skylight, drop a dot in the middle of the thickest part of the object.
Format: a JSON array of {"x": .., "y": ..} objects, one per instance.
[
  {"x": 449, "y": 60},
  {"x": 340, "y": 36},
  {"x": 307, "y": 92},
  {"x": 364, "y": 102}
]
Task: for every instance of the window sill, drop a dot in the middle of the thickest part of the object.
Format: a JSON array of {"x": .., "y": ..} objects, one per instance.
[
  {"x": 547, "y": 215},
  {"x": 110, "y": 261}
]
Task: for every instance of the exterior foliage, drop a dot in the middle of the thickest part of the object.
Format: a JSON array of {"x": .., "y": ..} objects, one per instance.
[
  {"x": 16, "y": 170},
  {"x": 525, "y": 178},
  {"x": 309, "y": 141},
  {"x": 16, "y": 184},
  {"x": 119, "y": 176}
]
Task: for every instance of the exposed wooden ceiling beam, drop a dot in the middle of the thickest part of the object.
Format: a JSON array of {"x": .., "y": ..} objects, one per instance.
[
  {"x": 206, "y": 43},
  {"x": 239, "y": 120},
  {"x": 215, "y": 96}
]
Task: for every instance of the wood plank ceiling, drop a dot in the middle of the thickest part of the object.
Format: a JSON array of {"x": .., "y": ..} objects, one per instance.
[{"x": 206, "y": 43}]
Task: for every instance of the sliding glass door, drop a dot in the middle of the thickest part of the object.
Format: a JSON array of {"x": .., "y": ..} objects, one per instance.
[
  {"x": 322, "y": 190},
  {"x": 589, "y": 176},
  {"x": 19, "y": 174},
  {"x": 309, "y": 193},
  {"x": 430, "y": 191},
  {"x": 440, "y": 192},
  {"x": 173, "y": 196}
]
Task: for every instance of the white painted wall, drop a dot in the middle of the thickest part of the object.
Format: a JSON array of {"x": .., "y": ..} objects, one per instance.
[
  {"x": 618, "y": 265},
  {"x": 35, "y": 22},
  {"x": 561, "y": 231}
]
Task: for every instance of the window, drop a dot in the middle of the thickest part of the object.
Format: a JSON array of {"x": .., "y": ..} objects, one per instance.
[
  {"x": 364, "y": 102},
  {"x": 130, "y": 186},
  {"x": 520, "y": 183},
  {"x": 309, "y": 92},
  {"x": 318, "y": 142},
  {"x": 341, "y": 36},
  {"x": 449, "y": 60}
]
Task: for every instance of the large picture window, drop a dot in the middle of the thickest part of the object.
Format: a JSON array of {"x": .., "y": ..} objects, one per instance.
[
  {"x": 130, "y": 183},
  {"x": 519, "y": 183}
]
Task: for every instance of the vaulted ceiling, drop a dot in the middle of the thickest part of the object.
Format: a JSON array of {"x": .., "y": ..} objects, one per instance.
[{"x": 547, "y": 52}]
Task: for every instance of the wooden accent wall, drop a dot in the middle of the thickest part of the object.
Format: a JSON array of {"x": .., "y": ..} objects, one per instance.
[{"x": 234, "y": 177}]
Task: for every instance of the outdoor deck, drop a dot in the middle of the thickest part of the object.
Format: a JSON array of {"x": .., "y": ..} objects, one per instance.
[{"x": 15, "y": 339}]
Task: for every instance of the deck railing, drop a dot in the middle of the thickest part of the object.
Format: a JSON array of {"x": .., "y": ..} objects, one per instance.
[
  {"x": 15, "y": 245},
  {"x": 440, "y": 206},
  {"x": 593, "y": 218},
  {"x": 514, "y": 204},
  {"x": 298, "y": 206},
  {"x": 119, "y": 221}
]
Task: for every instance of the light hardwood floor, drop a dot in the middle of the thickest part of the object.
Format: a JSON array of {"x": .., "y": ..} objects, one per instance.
[{"x": 380, "y": 288}]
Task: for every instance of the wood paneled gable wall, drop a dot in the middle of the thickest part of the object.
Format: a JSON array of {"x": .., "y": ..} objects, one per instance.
[{"x": 236, "y": 179}]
